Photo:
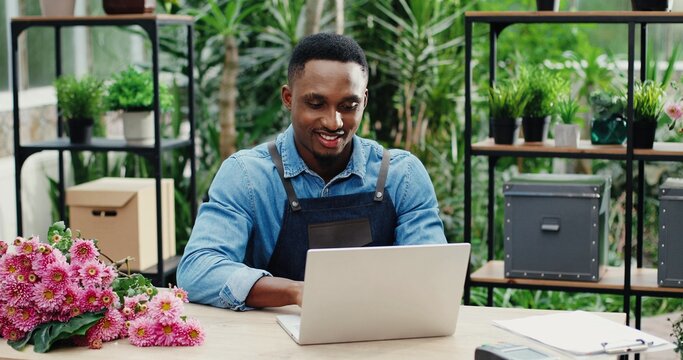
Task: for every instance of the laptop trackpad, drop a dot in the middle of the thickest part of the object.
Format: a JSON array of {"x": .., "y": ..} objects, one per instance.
[
  {"x": 291, "y": 324},
  {"x": 339, "y": 234}
]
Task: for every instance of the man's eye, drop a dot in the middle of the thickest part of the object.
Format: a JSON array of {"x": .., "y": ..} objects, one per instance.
[
  {"x": 349, "y": 106},
  {"x": 315, "y": 105}
]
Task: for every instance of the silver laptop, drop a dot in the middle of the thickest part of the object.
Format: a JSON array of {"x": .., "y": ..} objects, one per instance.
[{"x": 379, "y": 293}]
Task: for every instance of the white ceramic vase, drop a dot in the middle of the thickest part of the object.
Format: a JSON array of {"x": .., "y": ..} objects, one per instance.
[
  {"x": 138, "y": 127},
  {"x": 57, "y": 8},
  {"x": 567, "y": 135}
]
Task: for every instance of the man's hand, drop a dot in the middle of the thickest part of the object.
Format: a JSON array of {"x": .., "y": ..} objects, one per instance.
[{"x": 274, "y": 291}]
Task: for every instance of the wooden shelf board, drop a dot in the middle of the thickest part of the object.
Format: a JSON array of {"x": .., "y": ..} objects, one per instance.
[
  {"x": 578, "y": 16},
  {"x": 122, "y": 17},
  {"x": 662, "y": 148},
  {"x": 492, "y": 272},
  {"x": 645, "y": 279},
  {"x": 585, "y": 147}
]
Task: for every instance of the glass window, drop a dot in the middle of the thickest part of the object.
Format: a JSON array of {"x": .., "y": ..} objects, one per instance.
[{"x": 4, "y": 66}]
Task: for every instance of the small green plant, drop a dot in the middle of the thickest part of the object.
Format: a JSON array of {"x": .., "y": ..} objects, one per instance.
[
  {"x": 607, "y": 106},
  {"x": 648, "y": 101},
  {"x": 543, "y": 88},
  {"x": 132, "y": 90},
  {"x": 80, "y": 99},
  {"x": 507, "y": 100},
  {"x": 567, "y": 108},
  {"x": 677, "y": 334}
]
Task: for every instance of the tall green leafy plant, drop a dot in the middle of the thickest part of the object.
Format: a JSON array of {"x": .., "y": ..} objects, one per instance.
[
  {"x": 80, "y": 99},
  {"x": 648, "y": 101},
  {"x": 542, "y": 88},
  {"x": 507, "y": 100}
]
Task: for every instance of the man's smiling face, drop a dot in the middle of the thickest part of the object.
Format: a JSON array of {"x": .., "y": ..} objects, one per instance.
[{"x": 327, "y": 101}]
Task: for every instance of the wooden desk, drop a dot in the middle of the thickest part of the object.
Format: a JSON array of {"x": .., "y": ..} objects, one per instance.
[{"x": 255, "y": 334}]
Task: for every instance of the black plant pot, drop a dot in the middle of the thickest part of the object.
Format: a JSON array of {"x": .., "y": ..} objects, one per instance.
[
  {"x": 505, "y": 131},
  {"x": 651, "y": 5},
  {"x": 644, "y": 134},
  {"x": 548, "y": 5},
  {"x": 535, "y": 129},
  {"x": 80, "y": 130}
]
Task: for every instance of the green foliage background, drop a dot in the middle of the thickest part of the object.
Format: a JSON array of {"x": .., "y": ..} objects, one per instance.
[{"x": 416, "y": 53}]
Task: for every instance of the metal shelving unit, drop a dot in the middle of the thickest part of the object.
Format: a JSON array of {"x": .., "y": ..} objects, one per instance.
[
  {"x": 626, "y": 281},
  {"x": 150, "y": 24}
]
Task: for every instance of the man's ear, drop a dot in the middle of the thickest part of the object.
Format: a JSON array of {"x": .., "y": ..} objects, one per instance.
[
  {"x": 286, "y": 96},
  {"x": 365, "y": 98}
]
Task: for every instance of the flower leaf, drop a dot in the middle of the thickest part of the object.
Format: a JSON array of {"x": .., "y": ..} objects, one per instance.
[{"x": 45, "y": 335}]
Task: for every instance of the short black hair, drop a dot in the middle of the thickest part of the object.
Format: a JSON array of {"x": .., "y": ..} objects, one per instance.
[{"x": 325, "y": 46}]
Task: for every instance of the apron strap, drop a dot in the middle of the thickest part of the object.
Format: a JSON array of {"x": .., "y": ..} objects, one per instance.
[
  {"x": 382, "y": 178},
  {"x": 289, "y": 189}
]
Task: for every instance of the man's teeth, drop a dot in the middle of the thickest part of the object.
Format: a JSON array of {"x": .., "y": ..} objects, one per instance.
[{"x": 328, "y": 137}]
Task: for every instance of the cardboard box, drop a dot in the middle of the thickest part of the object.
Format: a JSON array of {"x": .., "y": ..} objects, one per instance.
[{"x": 121, "y": 214}]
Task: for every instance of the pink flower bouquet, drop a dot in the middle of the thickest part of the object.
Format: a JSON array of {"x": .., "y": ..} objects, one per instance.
[{"x": 61, "y": 291}]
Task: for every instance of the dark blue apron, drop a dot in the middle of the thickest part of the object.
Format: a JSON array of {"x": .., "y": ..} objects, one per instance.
[{"x": 363, "y": 219}]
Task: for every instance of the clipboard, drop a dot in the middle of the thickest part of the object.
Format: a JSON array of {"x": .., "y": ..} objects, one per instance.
[{"x": 583, "y": 333}]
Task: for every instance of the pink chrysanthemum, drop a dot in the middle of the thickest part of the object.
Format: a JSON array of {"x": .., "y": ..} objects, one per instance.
[
  {"x": 108, "y": 298},
  {"x": 90, "y": 273},
  {"x": 83, "y": 251},
  {"x": 141, "y": 332},
  {"x": 16, "y": 292},
  {"x": 48, "y": 298},
  {"x": 166, "y": 333},
  {"x": 180, "y": 294},
  {"x": 192, "y": 334},
  {"x": 12, "y": 333},
  {"x": 26, "y": 319},
  {"x": 165, "y": 307},
  {"x": 45, "y": 257},
  {"x": 3, "y": 248},
  {"x": 29, "y": 247},
  {"x": 14, "y": 264},
  {"x": 89, "y": 300},
  {"x": 108, "y": 275},
  {"x": 57, "y": 274},
  {"x": 108, "y": 328}
]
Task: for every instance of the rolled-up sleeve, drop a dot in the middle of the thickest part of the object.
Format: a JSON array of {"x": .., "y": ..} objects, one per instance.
[
  {"x": 212, "y": 269},
  {"x": 416, "y": 205}
]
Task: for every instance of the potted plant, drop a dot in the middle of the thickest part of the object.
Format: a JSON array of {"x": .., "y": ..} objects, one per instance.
[
  {"x": 506, "y": 105},
  {"x": 677, "y": 334},
  {"x": 567, "y": 132},
  {"x": 132, "y": 92},
  {"x": 651, "y": 5},
  {"x": 542, "y": 88},
  {"x": 648, "y": 102},
  {"x": 609, "y": 123},
  {"x": 80, "y": 102},
  {"x": 548, "y": 5}
]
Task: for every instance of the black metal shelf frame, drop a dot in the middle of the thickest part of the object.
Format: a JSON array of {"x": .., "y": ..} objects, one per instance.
[
  {"x": 150, "y": 24},
  {"x": 497, "y": 23}
]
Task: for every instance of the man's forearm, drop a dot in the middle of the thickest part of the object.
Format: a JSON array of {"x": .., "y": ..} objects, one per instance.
[{"x": 275, "y": 291}]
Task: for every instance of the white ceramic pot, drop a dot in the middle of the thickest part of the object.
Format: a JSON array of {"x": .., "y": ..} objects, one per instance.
[
  {"x": 57, "y": 8},
  {"x": 138, "y": 127},
  {"x": 567, "y": 135}
]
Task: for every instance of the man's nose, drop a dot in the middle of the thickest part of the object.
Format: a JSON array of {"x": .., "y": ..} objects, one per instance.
[{"x": 333, "y": 121}]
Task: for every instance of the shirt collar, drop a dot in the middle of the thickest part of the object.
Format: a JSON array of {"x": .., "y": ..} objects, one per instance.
[{"x": 294, "y": 165}]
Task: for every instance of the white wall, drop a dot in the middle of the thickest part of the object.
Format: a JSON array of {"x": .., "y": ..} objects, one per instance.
[{"x": 35, "y": 194}]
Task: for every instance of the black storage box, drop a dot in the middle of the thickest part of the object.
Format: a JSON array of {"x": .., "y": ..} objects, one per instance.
[
  {"x": 670, "y": 248},
  {"x": 556, "y": 226}
]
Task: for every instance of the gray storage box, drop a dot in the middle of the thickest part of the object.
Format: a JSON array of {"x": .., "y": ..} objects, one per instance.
[
  {"x": 670, "y": 248},
  {"x": 556, "y": 226}
]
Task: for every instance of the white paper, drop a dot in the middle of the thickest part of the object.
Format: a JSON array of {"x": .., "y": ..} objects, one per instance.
[{"x": 578, "y": 332}]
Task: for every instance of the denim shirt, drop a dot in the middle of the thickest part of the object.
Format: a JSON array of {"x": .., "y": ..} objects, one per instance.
[{"x": 236, "y": 230}]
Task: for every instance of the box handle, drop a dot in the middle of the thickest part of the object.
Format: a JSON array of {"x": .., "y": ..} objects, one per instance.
[
  {"x": 550, "y": 224},
  {"x": 104, "y": 213}
]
